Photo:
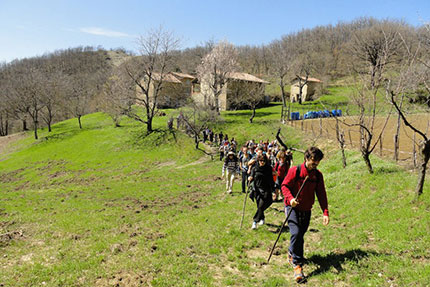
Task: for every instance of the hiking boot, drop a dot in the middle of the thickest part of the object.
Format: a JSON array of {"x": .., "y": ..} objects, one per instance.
[
  {"x": 254, "y": 225},
  {"x": 261, "y": 222},
  {"x": 229, "y": 192},
  {"x": 298, "y": 274}
]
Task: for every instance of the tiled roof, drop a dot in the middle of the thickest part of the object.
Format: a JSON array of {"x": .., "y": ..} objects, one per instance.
[{"x": 246, "y": 77}]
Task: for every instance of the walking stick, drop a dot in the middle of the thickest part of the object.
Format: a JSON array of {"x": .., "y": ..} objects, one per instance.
[
  {"x": 286, "y": 219},
  {"x": 244, "y": 205}
]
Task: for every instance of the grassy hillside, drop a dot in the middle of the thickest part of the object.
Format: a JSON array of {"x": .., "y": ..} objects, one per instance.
[{"x": 107, "y": 206}]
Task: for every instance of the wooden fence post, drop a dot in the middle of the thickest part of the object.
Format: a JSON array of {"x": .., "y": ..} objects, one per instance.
[{"x": 414, "y": 152}]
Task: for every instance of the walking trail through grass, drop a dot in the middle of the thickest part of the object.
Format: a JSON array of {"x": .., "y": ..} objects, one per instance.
[{"x": 107, "y": 206}]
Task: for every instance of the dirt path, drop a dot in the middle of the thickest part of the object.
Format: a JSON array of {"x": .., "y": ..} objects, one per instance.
[
  {"x": 6, "y": 142},
  {"x": 210, "y": 153}
]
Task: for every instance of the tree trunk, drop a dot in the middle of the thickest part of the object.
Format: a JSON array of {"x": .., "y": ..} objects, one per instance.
[
  {"x": 4, "y": 126},
  {"x": 366, "y": 159},
  {"x": 49, "y": 120},
  {"x": 342, "y": 148},
  {"x": 284, "y": 104},
  {"x": 300, "y": 96},
  {"x": 216, "y": 97},
  {"x": 340, "y": 136},
  {"x": 252, "y": 116},
  {"x": 425, "y": 153},
  {"x": 149, "y": 125},
  {"x": 79, "y": 120},
  {"x": 24, "y": 125},
  {"x": 396, "y": 135},
  {"x": 196, "y": 140},
  {"x": 35, "y": 129}
]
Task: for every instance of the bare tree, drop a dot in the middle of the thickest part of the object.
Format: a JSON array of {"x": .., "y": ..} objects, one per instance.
[
  {"x": 84, "y": 86},
  {"x": 247, "y": 95},
  {"x": 413, "y": 74},
  {"x": 214, "y": 70},
  {"x": 27, "y": 91},
  {"x": 117, "y": 97},
  {"x": 53, "y": 95},
  {"x": 340, "y": 136},
  {"x": 197, "y": 118},
  {"x": 282, "y": 54},
  {"x": 149, "y": 72},
  {"x": 374, "y": 48},
  {"x": 372, "y": 51},
  {"x": 303, "y": 64},
  {"x": 5, "y": 105},
  {"x": 81, "y": 93},
  {"x": 424, "y": 145}
]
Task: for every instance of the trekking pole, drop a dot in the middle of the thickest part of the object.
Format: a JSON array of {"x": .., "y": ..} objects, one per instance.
[
  {"x": 286, "y": 219},
  {"x": 244, "y": 205}
]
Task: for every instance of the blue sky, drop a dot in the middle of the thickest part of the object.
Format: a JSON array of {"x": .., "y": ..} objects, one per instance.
[{"x": 32, "y": 27}]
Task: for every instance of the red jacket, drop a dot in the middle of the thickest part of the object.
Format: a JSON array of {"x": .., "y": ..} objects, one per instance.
[
  {"x": 314, "y": 185},
  {"x": 282, "y": 169}
]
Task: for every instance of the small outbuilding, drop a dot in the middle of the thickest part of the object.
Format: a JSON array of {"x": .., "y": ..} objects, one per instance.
[
  {"x": 309, "y": 87},
  {"x": 176, "y": 89}
]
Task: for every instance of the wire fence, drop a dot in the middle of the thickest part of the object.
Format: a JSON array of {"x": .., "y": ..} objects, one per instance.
[{"x": 408, "y": 141}]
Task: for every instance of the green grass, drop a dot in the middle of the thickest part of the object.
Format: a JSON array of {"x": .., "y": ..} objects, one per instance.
[{"x": 104, "y": 206}]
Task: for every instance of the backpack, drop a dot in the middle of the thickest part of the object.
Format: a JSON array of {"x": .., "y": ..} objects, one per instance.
[{"x": 298, "y": 174}]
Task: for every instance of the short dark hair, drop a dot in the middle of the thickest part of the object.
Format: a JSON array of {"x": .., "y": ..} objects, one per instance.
[{"x": 314, "y": 153}]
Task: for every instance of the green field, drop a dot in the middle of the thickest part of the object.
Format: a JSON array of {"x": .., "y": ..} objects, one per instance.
[{"x": 107, "y": 206}]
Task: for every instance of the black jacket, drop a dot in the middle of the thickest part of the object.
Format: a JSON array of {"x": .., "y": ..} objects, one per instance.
[{"x": 262, "y": 178}]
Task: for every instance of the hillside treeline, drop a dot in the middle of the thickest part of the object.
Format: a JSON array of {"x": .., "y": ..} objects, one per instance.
[
  {"x": 64, "y": 84},
  {"x": 53, "y": 87}
]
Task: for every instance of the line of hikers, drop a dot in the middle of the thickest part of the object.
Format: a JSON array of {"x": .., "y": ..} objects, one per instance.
[{"x": 267, "y": 169}]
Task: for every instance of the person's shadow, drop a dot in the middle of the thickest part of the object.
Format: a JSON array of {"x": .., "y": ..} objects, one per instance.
[{"x": 336, "y": 260}]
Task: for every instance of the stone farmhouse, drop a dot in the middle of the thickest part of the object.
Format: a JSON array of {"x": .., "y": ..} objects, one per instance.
[
  {"x": 176, "y": 89},
  {"x": 308, "y": 89},
  {"x": 237, "y": 85}
]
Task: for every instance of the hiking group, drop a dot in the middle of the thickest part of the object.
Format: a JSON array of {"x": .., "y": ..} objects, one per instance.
[{"x": 265, "y": 168}]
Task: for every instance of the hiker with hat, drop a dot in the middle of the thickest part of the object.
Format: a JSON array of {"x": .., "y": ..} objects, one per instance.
[
  {"x": 229, "y": 170},
  {"x": 311, "y": 180}
]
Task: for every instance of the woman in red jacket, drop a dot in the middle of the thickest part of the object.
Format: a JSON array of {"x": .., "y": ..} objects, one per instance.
[{"x": 284, "y": 160}]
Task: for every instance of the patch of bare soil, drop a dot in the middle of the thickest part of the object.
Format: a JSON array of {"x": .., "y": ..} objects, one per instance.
[
  {"x": 124, "y": 278},
  {"x": 279, "y": 256},
  {"x": 164, "y": 164},
  {"x": 5, "y": 144},
  {"x": 219, "y": 273},
  {"x": 6, "y": 238},
  {"x": 199, "y": 161},
  {"x": 12, "y": 176},
  {"x": 195, "y": 198}
]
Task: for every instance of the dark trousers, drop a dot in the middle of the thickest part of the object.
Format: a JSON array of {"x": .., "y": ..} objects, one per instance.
[
  {"x": 244, "y": 181},
  {"x": 221, "y": 155},
  {"x": 298, "y": 224},
  {"x": 263, "y": 201}
]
